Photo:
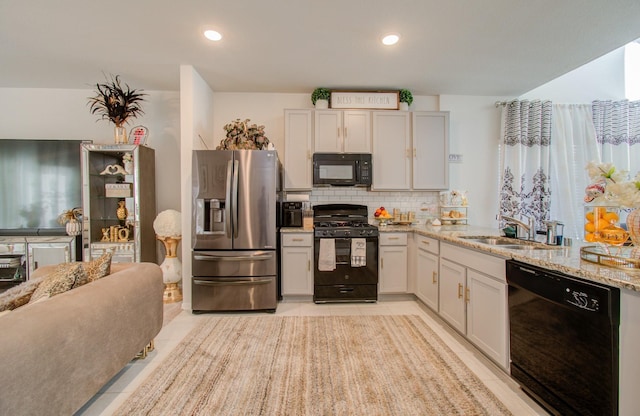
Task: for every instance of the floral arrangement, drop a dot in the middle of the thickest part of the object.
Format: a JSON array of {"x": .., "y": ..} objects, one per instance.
[
  {"x": 116, "y": 103},
  {"x": 127, "y": 157},
  {"x": 242, "y": 135},
  {"x": 612, "y": 186},
  {"x": 168, "y": 224},
  {"x": 69, "y": 215}
]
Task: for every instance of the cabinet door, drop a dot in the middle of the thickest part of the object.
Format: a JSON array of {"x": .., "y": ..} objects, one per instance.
[
  {"x": 298, "y": 150},
  {"x": 391, "y": 142},
  {"x": 48, "y": 253},
  {"x": 393, "y": 269},
  {"x": 357, "y": 131},
  {"x": 430, "y": 150},
  {"x": 328, "y": 131},
  {"x": 297, "y": 271},
  {"x": 487, "y": 325},
  {"x": 427, "y": 267},
  {"x": 451, "y": 290}
]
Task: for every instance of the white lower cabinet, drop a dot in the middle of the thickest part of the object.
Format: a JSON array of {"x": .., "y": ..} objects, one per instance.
[
  {"x": 297, "y": 264},
  {"x": 392, "y": 263},
  {"x": 427, "y": 271},
  {"x": 473, "y": 299}
]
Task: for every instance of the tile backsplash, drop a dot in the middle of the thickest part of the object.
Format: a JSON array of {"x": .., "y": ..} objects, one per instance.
[{"x": 423, "y": 203}]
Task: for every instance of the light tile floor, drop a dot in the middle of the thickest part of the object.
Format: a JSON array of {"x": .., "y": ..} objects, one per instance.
[{"x": 124, "y": 383}]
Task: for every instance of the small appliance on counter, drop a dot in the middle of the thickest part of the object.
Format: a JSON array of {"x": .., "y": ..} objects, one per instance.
[{"x": 292, "y": 213}]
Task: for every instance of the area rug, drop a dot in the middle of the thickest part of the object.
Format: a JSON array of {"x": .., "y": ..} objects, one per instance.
[{"x": 312, "y": 365}]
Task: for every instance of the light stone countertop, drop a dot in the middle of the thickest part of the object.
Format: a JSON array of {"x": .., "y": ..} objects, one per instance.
[{"x": 562, "y": 259}]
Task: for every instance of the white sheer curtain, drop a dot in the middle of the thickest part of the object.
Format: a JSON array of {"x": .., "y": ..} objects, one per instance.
[
  {"x": 524, "y": 159},
  {"x": 573, "y": 145},
  {"x": 617, "y": 125}
]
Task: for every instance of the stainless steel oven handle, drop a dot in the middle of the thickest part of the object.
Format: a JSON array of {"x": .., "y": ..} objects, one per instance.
[
  {"x": 233, "y": 258},
  {"x": 231, "y": 282}
]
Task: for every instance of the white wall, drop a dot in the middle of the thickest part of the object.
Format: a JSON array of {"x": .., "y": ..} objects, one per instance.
[
  {"x": 601, "y": 79},
  {"x": 196, "y": 115},
  {"x": 31, "y": 113}
]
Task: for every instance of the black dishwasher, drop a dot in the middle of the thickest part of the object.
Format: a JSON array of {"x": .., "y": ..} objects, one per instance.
[{"x": 564, "y": 340}]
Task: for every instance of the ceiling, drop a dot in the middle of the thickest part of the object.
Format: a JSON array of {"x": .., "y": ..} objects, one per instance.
[{"x": 488, "y": 47}]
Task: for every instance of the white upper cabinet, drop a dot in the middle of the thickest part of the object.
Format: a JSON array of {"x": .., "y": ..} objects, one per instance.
[
  {"x": 391, "y": 150},
  {"x": 342, "y": 131},
  {"x": 298, "y": 149},
  {"x": 430, "y": 150}
]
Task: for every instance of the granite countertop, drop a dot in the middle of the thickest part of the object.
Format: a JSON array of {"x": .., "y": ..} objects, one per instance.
[{"x": 562, "y": 259}]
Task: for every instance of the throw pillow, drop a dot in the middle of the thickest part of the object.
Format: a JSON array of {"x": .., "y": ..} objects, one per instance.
[
  {"x": 19, "y": 295},
  {"x": 97, "y": 269},
  {"x": 62, "y": 279}
]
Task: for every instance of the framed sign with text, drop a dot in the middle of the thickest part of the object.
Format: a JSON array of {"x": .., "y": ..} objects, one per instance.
[{"x": 371, "y": 100}]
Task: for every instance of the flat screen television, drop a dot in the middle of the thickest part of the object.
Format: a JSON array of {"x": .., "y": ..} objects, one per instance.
[{"x": 39, "y": 180}]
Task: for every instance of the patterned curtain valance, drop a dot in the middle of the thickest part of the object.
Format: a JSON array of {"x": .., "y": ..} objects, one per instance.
[
  {"x": 527, "y": 123},
  {"x": 617, "y": 122}
]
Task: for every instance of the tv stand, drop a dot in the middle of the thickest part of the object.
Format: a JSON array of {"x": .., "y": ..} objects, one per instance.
[{"x": 37, "y": 250}]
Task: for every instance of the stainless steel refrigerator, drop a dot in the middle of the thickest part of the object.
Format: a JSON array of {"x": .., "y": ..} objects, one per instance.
[{"x": 234, "y": 258}]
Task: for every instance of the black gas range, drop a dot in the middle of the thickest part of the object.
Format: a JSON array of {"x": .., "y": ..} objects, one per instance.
[{"x": 346, "y": 254}]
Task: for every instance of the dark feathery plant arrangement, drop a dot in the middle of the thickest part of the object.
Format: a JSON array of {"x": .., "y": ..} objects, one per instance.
[{"x": 115, "y": 102}]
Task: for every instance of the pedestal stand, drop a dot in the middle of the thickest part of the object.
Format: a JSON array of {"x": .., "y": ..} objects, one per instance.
[{"x": 171, "y": 270}]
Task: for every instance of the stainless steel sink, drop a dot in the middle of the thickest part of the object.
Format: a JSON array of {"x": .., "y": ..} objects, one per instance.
[{"x": 509, "y": 243}]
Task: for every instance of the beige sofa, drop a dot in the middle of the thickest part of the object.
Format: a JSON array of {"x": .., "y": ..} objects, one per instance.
[{"x": 55, "y": 355}]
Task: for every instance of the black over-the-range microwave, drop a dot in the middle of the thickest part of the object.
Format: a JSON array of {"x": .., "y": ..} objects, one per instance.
[{"x": 342, "y": 169}]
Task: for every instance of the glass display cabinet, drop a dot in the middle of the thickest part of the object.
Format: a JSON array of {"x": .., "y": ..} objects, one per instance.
[{"x": 118, "y": 202}]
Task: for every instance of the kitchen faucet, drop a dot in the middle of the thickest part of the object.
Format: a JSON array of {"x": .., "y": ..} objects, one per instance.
[{"x": 528, "y": 228}]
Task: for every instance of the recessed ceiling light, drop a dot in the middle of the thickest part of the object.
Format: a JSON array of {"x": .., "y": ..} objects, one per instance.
[
  {"x": 212, "y": 35},
  {"x": 390, "y": 39}
]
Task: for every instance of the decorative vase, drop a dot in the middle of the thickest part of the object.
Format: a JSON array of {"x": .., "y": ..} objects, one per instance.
[
  {"x": 120, "y": 135},
  {"x": 322, "y": 104},
  {"x": 74, "y": 227},
  {"x": 121, "y": 212},
  {"x": 128, "y": 166},
  {"x": 404, "y": 106},
  {"x": 171, "y": 270}
]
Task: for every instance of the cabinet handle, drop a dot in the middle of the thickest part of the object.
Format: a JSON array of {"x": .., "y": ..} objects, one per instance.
[
  {"x": 309, "y": 154},
  {"x": 434, "y": 277},
  {"x": 414, "y": 152},
  {"x": 407, "y": 152},
  {"x": 345, "y": 132},
  {"x": 308, "y": 265},
  {"x": 382, "y": 263},
  {"x": 425, "y": 242},
  {"x": 459, "y": 291},
  {"x": 467, "y": 295},
  {"x": 297, "y": 239},
  {"x": 394, "y": 238},
  {"x": 338, "y": 131}
]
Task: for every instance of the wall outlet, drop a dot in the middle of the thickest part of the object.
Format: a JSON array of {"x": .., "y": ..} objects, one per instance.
[{"x": 455, "y": 158}]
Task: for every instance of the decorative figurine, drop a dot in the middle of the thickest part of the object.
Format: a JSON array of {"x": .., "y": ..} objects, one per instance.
[{"x": 121, "y": 212}]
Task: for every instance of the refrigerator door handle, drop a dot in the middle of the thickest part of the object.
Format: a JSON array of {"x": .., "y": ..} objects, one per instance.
[
  {"x": 227, "y": 282},
  {"x": 235, "y": 199},
  {"x": 227, "y": 205},
  {"x": 267, "y": 256}
]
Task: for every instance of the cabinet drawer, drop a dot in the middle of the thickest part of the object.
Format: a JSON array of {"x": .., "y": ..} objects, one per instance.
[
  {"x": 393, "y": 239},
  {"x": 297, "y": 240},
  {"x": 428, "y": 244}
]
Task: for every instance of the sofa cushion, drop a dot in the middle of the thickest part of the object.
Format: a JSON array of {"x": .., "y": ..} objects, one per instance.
[
  {"x": 19, "y": 295},
  {"x": 96, "y": 269},
  {"x": 62, "y": 279}
]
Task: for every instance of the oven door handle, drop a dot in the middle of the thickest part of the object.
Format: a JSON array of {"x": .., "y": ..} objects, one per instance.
[
  {"x": 346, "y": 290},
  {"x": 259, "y": 256},
  {"x": 230, "y": 282}
]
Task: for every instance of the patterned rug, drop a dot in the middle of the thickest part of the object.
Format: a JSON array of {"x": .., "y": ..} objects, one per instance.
[{"x": 312, "y": 365}]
